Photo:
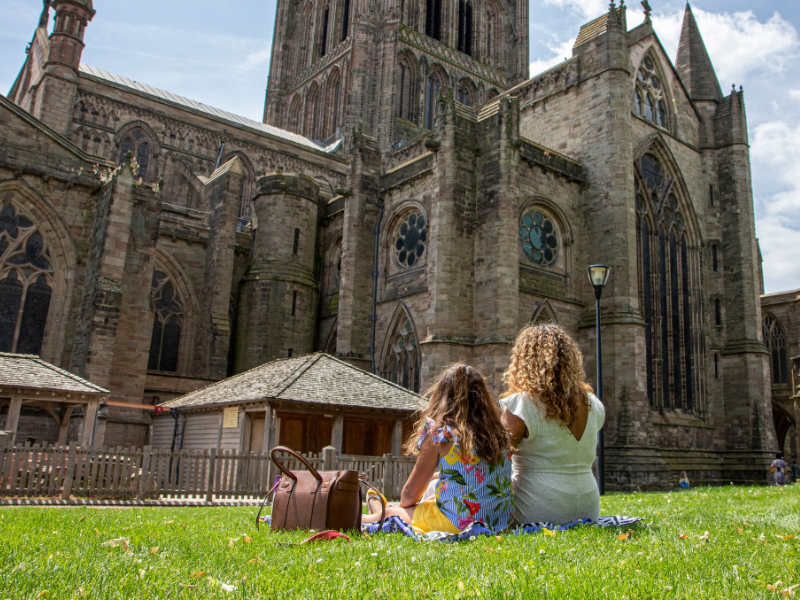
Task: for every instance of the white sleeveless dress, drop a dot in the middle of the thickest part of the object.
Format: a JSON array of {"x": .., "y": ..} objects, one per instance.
[{"x": 552, "y": 471}]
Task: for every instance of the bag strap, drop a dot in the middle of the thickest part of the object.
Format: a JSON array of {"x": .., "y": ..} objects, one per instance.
[
  {"x": 299, "y": 457},
  {"x": 363, "y": 479},
  {"x": 258, "y": 516}
]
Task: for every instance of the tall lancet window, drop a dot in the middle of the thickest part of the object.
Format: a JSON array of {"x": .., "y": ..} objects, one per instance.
[
  {"x": 167, "y": 325},
  {"x": 667, "y": 272},
  {"x": 431, "y": 92},
  {"x": 465, "y": 27},
  {"x": 402, "y": 363},
  {"x": 775, "y": 340},
  {"x": 649, "y": 97},
  {"x": 433, "y": 19}
]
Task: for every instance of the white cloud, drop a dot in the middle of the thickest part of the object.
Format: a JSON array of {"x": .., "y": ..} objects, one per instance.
[
  {"x": 794, "y": 94},
  {"x": 558, "y": 52},
  {"x": 738, "y": 43},
  {"x": 589, "y": 9},
  {"x": 775, "y": 150}
]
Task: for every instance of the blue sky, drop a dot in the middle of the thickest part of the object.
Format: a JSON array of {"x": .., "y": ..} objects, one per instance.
[{"x": 218, "y": 53}]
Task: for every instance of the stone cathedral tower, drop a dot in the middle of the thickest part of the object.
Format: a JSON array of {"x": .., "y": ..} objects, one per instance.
[{"x": 377, "y": 67}]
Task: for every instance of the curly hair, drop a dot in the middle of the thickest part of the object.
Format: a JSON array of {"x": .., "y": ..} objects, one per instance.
[
  {"x": 547, "y": 364},
  {"x": 462, "y": 400}
]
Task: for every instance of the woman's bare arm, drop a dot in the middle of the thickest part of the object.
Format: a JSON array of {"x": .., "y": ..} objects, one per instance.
[
  {"x": 515, "y": 427},
  {"x": 421, "y": 475}
]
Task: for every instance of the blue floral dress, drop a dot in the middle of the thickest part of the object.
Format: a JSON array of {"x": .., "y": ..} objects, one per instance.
[{"x": 470, "y": 489}]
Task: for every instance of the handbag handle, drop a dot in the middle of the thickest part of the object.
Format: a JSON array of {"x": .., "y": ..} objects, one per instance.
[
  {"x": 299, "y": 457},
  {"x": 363, "y": 479}
]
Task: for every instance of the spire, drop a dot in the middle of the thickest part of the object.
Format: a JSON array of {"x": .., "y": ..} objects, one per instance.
[{"x": 694, "y": 65}]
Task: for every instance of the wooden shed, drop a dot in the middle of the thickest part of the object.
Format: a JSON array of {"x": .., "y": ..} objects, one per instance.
[{"x": 306, "y": 403}]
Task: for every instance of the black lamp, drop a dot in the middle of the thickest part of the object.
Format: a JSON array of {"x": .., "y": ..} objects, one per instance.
[{"x": 598, "y": 276}]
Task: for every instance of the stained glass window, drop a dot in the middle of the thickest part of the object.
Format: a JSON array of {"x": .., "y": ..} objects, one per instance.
[
  {"x": 167, "y": 324},
  {"x": 25, "y": 283},
  {"x": 665, "y": 284},
  {"x": 402, "y": 365},
  {"x": 648, "y": 96},
  {"x": 539, "y": 238},
  {"x": 412, "y": 237}
]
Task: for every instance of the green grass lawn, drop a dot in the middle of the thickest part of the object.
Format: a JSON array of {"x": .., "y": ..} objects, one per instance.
[{"x": 705, "y": 543}]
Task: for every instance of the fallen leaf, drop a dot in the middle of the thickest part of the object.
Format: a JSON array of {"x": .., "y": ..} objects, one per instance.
[
  {"x": 141, "y": 573},
  {"x": 683, "y": 536},
  {"x": 83, "y": 518},
  {"x": 622, "y": 536},
  {"x": 499, "y": 538},
  {"x": 488, "y": 549},
  {"x": 97, "y": 531},
  {"x": 739, "y": 529},
  {"x": 460, "y": 585},
  {"x": 247, "y": 539},
  {"x": 232, "y": 542},
  {"x": 81, "y": 592},
  {"x": 704, "y": 536},
  {"x": 253, "y": 561},
  {"x": 550, "y": 532},
  {"x": 43, "y": 594},
  {"x": 631, "y": 534},
  {"x": 154, "y": 549},
  {"x": 198, "y": 574},
  {"x": 118, "y": 542},
  {"x": 169, "y": 523},
  {"x": 784, "y": 537}
]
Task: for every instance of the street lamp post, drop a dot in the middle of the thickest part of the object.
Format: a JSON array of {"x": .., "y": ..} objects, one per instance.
[{"x": 598, "y": 276}]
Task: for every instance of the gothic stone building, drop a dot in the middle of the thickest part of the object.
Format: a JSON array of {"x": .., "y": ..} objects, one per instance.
[{"x": 406, "y": 168}]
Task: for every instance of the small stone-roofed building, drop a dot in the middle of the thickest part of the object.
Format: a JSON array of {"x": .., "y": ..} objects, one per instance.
[
  {"x": 305, "y": 403},
  {"x": 30, "y": 386}
]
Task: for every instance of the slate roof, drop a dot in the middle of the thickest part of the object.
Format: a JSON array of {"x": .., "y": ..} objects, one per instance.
[
  {"x": 693, "y": 63},
  {"x": 31, "y": 372},
  {"x": 205, "y": 108},
  {"x": 316, "y": 379}
]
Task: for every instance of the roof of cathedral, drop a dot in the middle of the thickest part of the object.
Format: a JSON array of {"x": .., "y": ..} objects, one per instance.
[
  {"x": 31, "y": 372},
  {"x": 315, "y": 379},
  {"x": 205, "y": 108},
  {"x": 693, "y": 64}
]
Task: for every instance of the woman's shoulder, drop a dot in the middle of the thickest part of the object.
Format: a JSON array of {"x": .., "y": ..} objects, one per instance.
[
  {"x": 596, "y": 405},
  {"x": 521, "y": 404},
  {"x": 440, "y": 434}
]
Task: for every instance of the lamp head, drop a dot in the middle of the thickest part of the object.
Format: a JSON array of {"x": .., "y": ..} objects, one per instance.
[{"x": 598, "y": 276}]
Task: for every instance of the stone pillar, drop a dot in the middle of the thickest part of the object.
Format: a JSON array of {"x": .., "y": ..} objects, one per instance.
[
  {"x": 278, "y": 296},
  {"x": 224, "y": 194},
  {"x": 451, "y": 254},
  {"x": 116, "y": 323},
  {"x": 745, "y": 362},
  {"x": 397, "y": 438},
  {"x": 358, "y": 251}
]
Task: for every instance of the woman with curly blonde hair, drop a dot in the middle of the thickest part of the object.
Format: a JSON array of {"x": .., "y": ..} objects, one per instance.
[{"x": 553, "y": 419}]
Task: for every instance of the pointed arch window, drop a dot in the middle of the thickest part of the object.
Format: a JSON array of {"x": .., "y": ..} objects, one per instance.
[
  {"x": 667, "y": 270},
  {"x": 464, "y": 95},
  {"x": 775, "y": 340},
  {"x": 323, "y": 36},
  {"x": 431, "y": 92},
  {"x": 491, "y": 36},
  {"x": 167, "y": 324},
  {"x": 402, "y": 364},
  {"x": 407, "y": 95},
  {"x": 26, "y": 282},
  {"x": 345, "y": 21},
  {"x": 649, "y": 97},
  {"x": 295, "y": 115},
  {"x": 312, "y": 114},
  {"x": 135, "y": 142}
]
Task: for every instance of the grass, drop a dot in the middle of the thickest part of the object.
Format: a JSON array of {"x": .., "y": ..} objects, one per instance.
[{"x": 199, "y": 552}]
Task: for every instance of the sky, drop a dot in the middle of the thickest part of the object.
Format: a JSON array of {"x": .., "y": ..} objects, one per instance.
[{"x": 218, "y": 53}]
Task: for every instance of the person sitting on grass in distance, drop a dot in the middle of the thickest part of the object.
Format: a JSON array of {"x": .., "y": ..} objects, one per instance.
[
  {"x": 553, "y": 419},
  {"x": 778, "y": 469},
  {"x": 684, "y": 481},
  {"x": 460, "y": 434}
]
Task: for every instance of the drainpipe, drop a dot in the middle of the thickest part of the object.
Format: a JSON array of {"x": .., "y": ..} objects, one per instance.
[
  {"x": 374, "y": 316},
  {"x": 219, "y": 156}
]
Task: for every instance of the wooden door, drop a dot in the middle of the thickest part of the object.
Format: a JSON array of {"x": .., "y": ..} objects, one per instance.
[
  {"x": 293, "y": 431},
  {"x": 257, "y": 434}
]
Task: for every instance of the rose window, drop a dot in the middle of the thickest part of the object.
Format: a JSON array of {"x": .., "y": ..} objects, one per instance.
[
  {"x": 411, "y": 239},
  {"x": 539, "y": 238}
]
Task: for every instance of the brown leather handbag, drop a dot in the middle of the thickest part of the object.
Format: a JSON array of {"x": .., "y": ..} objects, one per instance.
[{"x": 313, "y": 500}]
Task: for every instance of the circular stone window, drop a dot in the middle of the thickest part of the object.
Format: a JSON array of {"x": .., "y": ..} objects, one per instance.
[
  {"x": 411, "y": 239},
  {"x": 539, "y": 238}
]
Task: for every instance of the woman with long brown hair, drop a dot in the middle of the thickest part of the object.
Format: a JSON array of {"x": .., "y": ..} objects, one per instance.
[
  {"x": 553, "y": 419},
  {"x": 459, "y": 433}
]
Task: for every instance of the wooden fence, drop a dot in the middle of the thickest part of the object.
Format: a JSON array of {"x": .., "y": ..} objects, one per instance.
[{"x": 153, "y": 473}]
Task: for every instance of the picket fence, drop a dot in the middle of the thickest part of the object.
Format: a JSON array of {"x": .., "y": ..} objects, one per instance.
[{"x": 65, "y": 472}]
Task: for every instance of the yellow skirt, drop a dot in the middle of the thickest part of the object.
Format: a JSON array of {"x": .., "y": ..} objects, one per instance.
[{"x": 428, "y": 517}]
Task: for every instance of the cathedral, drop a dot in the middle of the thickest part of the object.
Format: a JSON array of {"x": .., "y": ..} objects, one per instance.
[{"x": 411, "y": 199}]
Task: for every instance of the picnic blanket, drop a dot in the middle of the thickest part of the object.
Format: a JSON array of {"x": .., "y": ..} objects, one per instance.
[{"x": 397, "y": 525}]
